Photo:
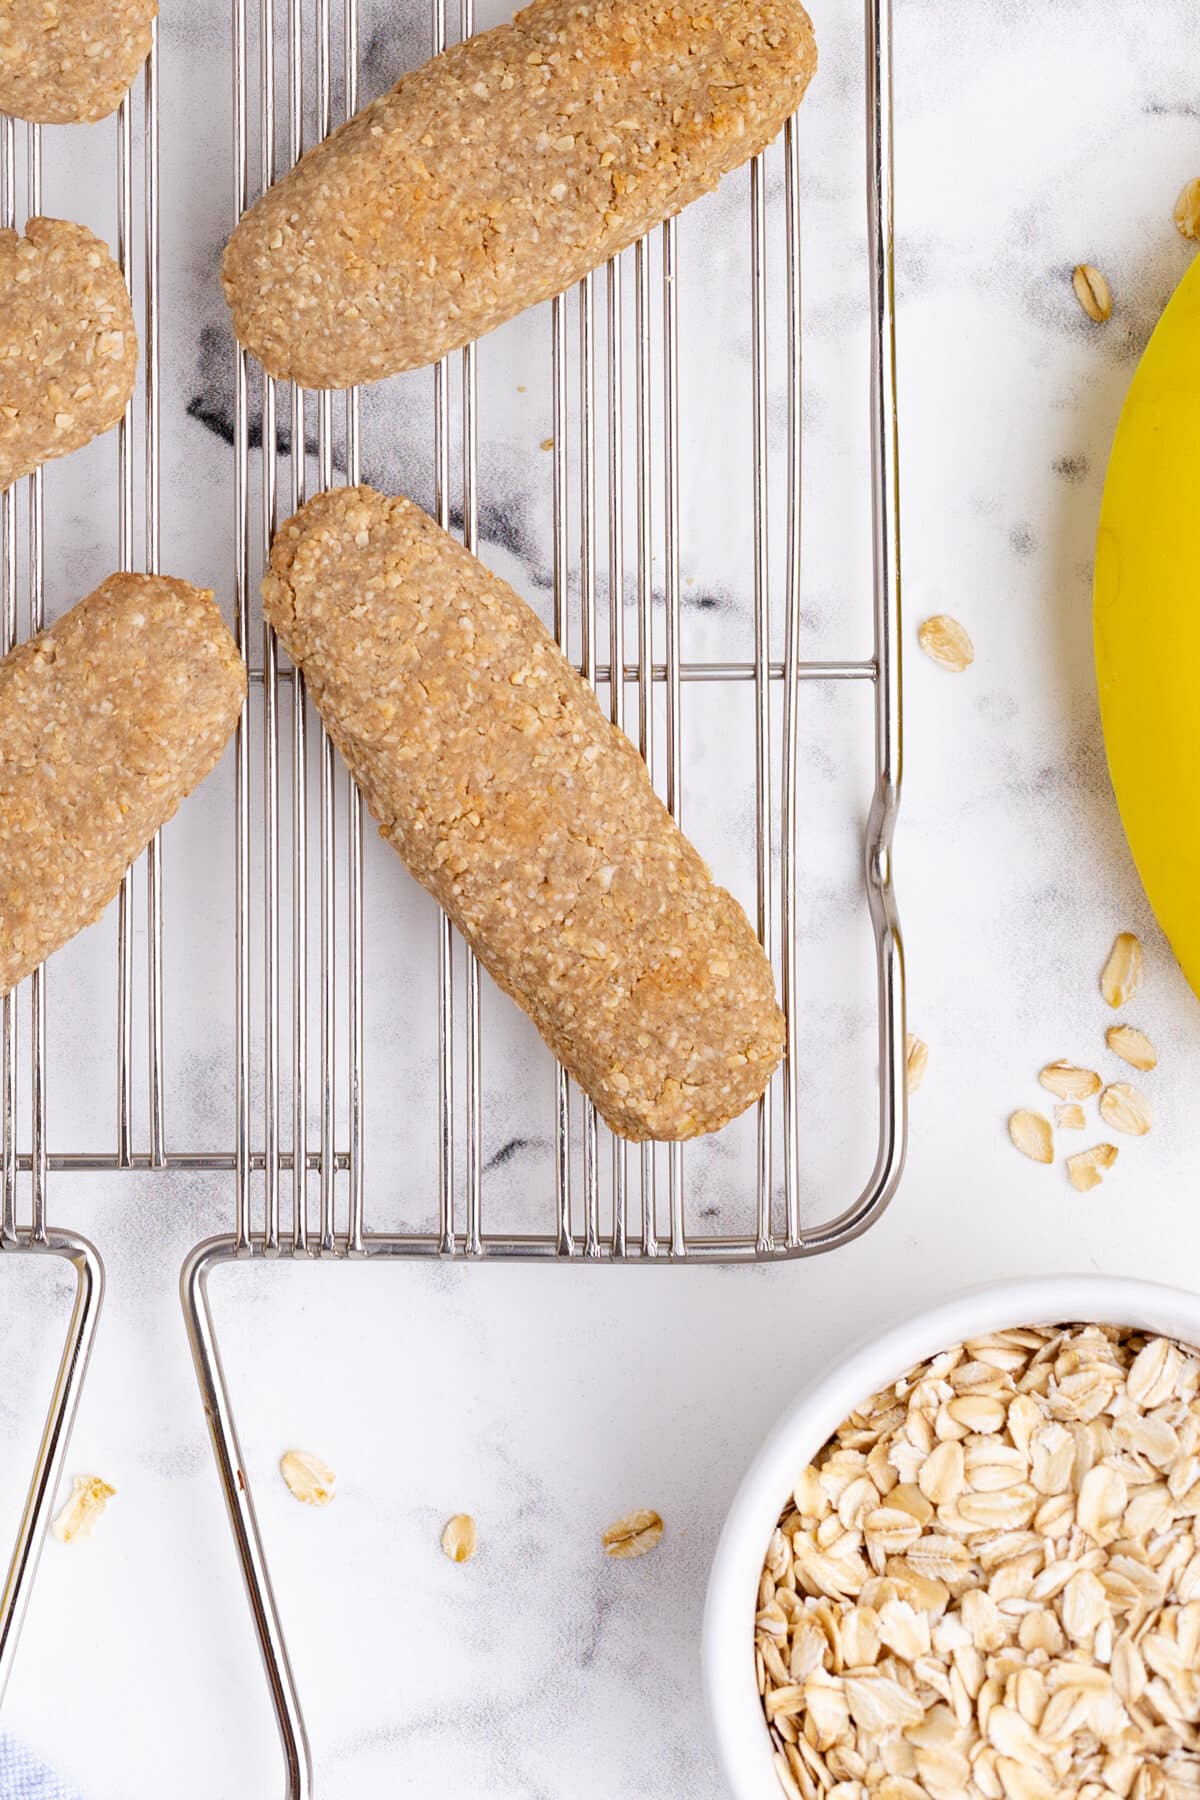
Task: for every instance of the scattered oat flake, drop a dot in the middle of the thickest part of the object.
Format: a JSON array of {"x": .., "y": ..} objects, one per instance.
[
  {"x": 1187, "y": 209},
  {"x": 309, "y": 1479},
  {"x": 547, "y": 443},
  {"x": 1068, "y": 1081},
  {"x": 1126, "y": 1108},
  {"x": 1123, "y": 971},
  {"x": 459, "y": 1539},
  {"x": 1092, "y": 291},
  {"x": 89, "y": 1497},
  {"x": 1070, "y": 1116},
  {"x": 1132, "y": 1046},
  {"x": 633, "y": 1535},
  {"x": 1031, "y": 1133},
  {"x": 1085, "y": 1169},
  {"x": 946, "y": 642},
  {"x": 918, "y": 1062}
]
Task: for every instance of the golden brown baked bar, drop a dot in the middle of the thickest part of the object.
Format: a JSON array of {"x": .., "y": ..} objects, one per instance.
[
  {"x": 65, "y": 62},
  {"x": 503, "y": 171},
  {"x": 68, "y": 348},
  {"x": 527, "y": 815},
  {"x": 107, "y": 720}
]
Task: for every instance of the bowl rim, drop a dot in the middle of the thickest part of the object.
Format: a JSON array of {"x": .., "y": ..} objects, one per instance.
[{"x": 727, "y": 1667}]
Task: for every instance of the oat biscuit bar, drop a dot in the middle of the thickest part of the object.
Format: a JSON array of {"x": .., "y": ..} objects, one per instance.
[
  {"x": 494, "y": 773},
  {"x": 68, "y": 348},
  {"x": 501, "y": 172},
  {"x": 107, "y": 720},
  {"x": 68, "y": 62}
]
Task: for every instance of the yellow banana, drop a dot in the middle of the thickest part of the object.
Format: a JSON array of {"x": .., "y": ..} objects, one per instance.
[{"x": 1147, "y": 620}]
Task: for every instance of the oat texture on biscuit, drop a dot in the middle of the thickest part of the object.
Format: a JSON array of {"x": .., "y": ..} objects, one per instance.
[
  {"x": 68, "y": 348},
  {"x": 65, "y": 62},
  {"x": 986, "y": 1586},
  {"x": 496, "y": 776},
  {"x": 107, "y": 720},
  {"x": 502, "y": 171}
]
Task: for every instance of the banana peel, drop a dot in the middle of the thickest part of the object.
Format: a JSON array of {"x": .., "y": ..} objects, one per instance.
[{"x": 1146, "y": 620}]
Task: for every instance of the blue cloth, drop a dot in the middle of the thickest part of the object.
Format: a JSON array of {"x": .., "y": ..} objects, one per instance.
[{"x": 23, "y": 1777}]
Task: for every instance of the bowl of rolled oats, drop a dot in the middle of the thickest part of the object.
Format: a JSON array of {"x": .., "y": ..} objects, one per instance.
[{"x": 966, "y": 1563}]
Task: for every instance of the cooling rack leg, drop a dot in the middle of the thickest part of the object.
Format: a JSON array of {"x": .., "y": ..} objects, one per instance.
[
  {"x": 39, "y": 1502},
  {"x": 214, "y": 1391}
]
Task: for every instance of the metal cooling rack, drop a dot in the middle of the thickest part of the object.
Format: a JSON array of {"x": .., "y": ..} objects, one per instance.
[
  {"x": 303, "y": 1191},
  {"x": 297, "y": 1149},
  {"x": 305, "y": 1194}
]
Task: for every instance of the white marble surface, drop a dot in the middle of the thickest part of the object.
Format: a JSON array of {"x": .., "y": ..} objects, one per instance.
[{"x": 548, "y": 1401}]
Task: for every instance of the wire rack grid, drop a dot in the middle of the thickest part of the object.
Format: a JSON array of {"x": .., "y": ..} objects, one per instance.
[
  {"x": 613, "y": 455},
  {"x": 301, "y": 1071},
  {"x": 296, "y": 1151},
  {"x": 273, "y": 1135}
]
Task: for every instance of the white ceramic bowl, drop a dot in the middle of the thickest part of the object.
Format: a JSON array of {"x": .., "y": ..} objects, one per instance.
[{"x": 739, "y": 1729}]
